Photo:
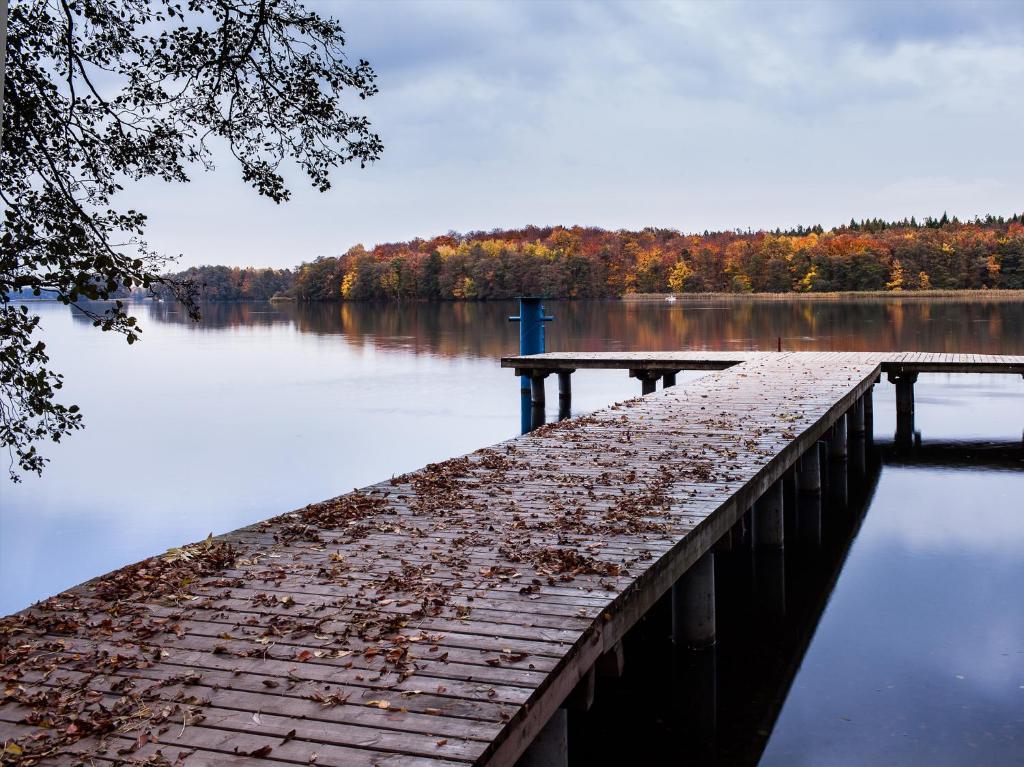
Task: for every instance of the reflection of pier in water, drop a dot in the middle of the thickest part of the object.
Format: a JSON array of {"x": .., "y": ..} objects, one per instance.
[
  {"x": 720, "y": 705},
  {"x": 954, "y": 454}
]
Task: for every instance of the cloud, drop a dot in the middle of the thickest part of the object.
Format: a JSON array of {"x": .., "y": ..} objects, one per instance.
[{"x": 694, "y": 116}]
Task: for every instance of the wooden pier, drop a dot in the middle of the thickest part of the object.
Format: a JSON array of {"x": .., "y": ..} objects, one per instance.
[
  {"x": 449, "y": 615},
  {"x": 901, "y": 368}
]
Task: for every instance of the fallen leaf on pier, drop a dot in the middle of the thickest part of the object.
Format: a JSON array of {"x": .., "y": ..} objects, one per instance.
[{"x": 329, "y": 701}]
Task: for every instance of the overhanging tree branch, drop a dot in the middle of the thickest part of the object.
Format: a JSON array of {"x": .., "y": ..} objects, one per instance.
[{"x": 267, "y": 81}]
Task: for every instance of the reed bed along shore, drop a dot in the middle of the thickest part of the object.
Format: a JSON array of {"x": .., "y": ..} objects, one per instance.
[{"x": 870, "y": 295}]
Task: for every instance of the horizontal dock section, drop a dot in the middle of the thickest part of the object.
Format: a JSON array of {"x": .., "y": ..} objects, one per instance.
[
  {"x": 442, "y": 617},
  {"x": 891, "y": 362}
]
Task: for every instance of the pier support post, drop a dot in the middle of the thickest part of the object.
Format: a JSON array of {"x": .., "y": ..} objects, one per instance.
[
  {"x": 855, "y": 418},
  {"x": 791, "y": 502},
  {"x": 648, "y": 379},
  {"x": 837, "y": 441},
  {"x": 668, "y": 379},
  {"x": 823, "y": 463},
  {"x": 551, "y": 746},
  {"x": 768, "y": 519},
  {"x": 769, "y": 558},
  {"x": 809, "y": 506},
  {"x": 838, "y": 454},
  {"x": 855, "y": 435},
  {"x": 810, "y": 470},
  {"x": 582, "y": 696},
  {"x": 904, "y": 406},
  {"x": 537, "y": 398},
  {"x": 869, "y": 415},
  {"x": 746, "y": 525},
  {"x": 693, "y": 605},
  {"x": 612, "y": 663},
  {"x": 565, "y": 394}
]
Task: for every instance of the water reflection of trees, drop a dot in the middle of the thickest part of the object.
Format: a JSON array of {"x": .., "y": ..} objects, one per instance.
[{"x": 479, "y": 329}]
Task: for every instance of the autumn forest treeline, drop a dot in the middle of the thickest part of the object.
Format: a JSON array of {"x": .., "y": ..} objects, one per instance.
[{"x": 586, "y": 262}]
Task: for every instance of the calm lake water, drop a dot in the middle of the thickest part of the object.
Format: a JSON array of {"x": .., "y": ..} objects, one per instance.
[{"x": 914, "y": 654}]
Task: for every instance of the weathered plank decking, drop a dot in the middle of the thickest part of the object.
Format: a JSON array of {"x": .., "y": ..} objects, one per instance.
[
  {"x": 434, "y": 619},
  {"x": 891, "y": 362}
]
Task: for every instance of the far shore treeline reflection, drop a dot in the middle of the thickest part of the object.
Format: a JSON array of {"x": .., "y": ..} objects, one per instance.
[
  {"x": 587, "y": 262},
  {"x": 481, "y": 329}
]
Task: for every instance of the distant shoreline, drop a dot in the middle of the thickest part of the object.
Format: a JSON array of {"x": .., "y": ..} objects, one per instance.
[{"x": 992, "y": 295}]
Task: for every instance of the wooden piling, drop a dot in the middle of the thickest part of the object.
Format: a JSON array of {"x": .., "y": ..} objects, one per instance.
[
  {"x": 823, "y": 463},
  {"x": 904, "y": 382},
  {"x": 612, "y": 663},
  {"x": 648, "y": 379},
  {"x": 810, "y": 470},
  {"x": 855, "y": 419},
  {"x": 565, "y": 394},
  {"x": 768, "y": 519},
  {"x": 537, "y": 399},
  {"x": 551, "y": 746},
  {"x": 582, "y": 696},
  {"x": 856, "y": 431},
  {"x": 869, "y": 415},
  {"x": 769, "y": 560},
  {"x": 693, "y": 605},
  {"x": 837, "y": 441}
]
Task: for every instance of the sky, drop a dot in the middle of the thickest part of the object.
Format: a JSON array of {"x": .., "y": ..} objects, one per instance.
[{"x": 690, "y": 116}]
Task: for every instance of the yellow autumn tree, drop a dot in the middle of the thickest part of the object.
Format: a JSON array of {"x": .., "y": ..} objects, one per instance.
[
  {"x": 992, "y": 268},
  {"x": 896, "y": 277},
  {"x": 678, "y": 276},
  {"x": 806, "y": 283},
  {"x": 346, "y": 284}
]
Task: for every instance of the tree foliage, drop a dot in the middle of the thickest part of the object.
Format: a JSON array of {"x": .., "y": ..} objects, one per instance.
[
  {"x": 583, "y": 262},
  {"x": 100, "y": 93},
  {"x": 232, "y": 283}
]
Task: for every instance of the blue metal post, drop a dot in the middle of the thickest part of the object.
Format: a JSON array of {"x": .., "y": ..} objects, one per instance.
[{"x": 531, "y": 321}]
